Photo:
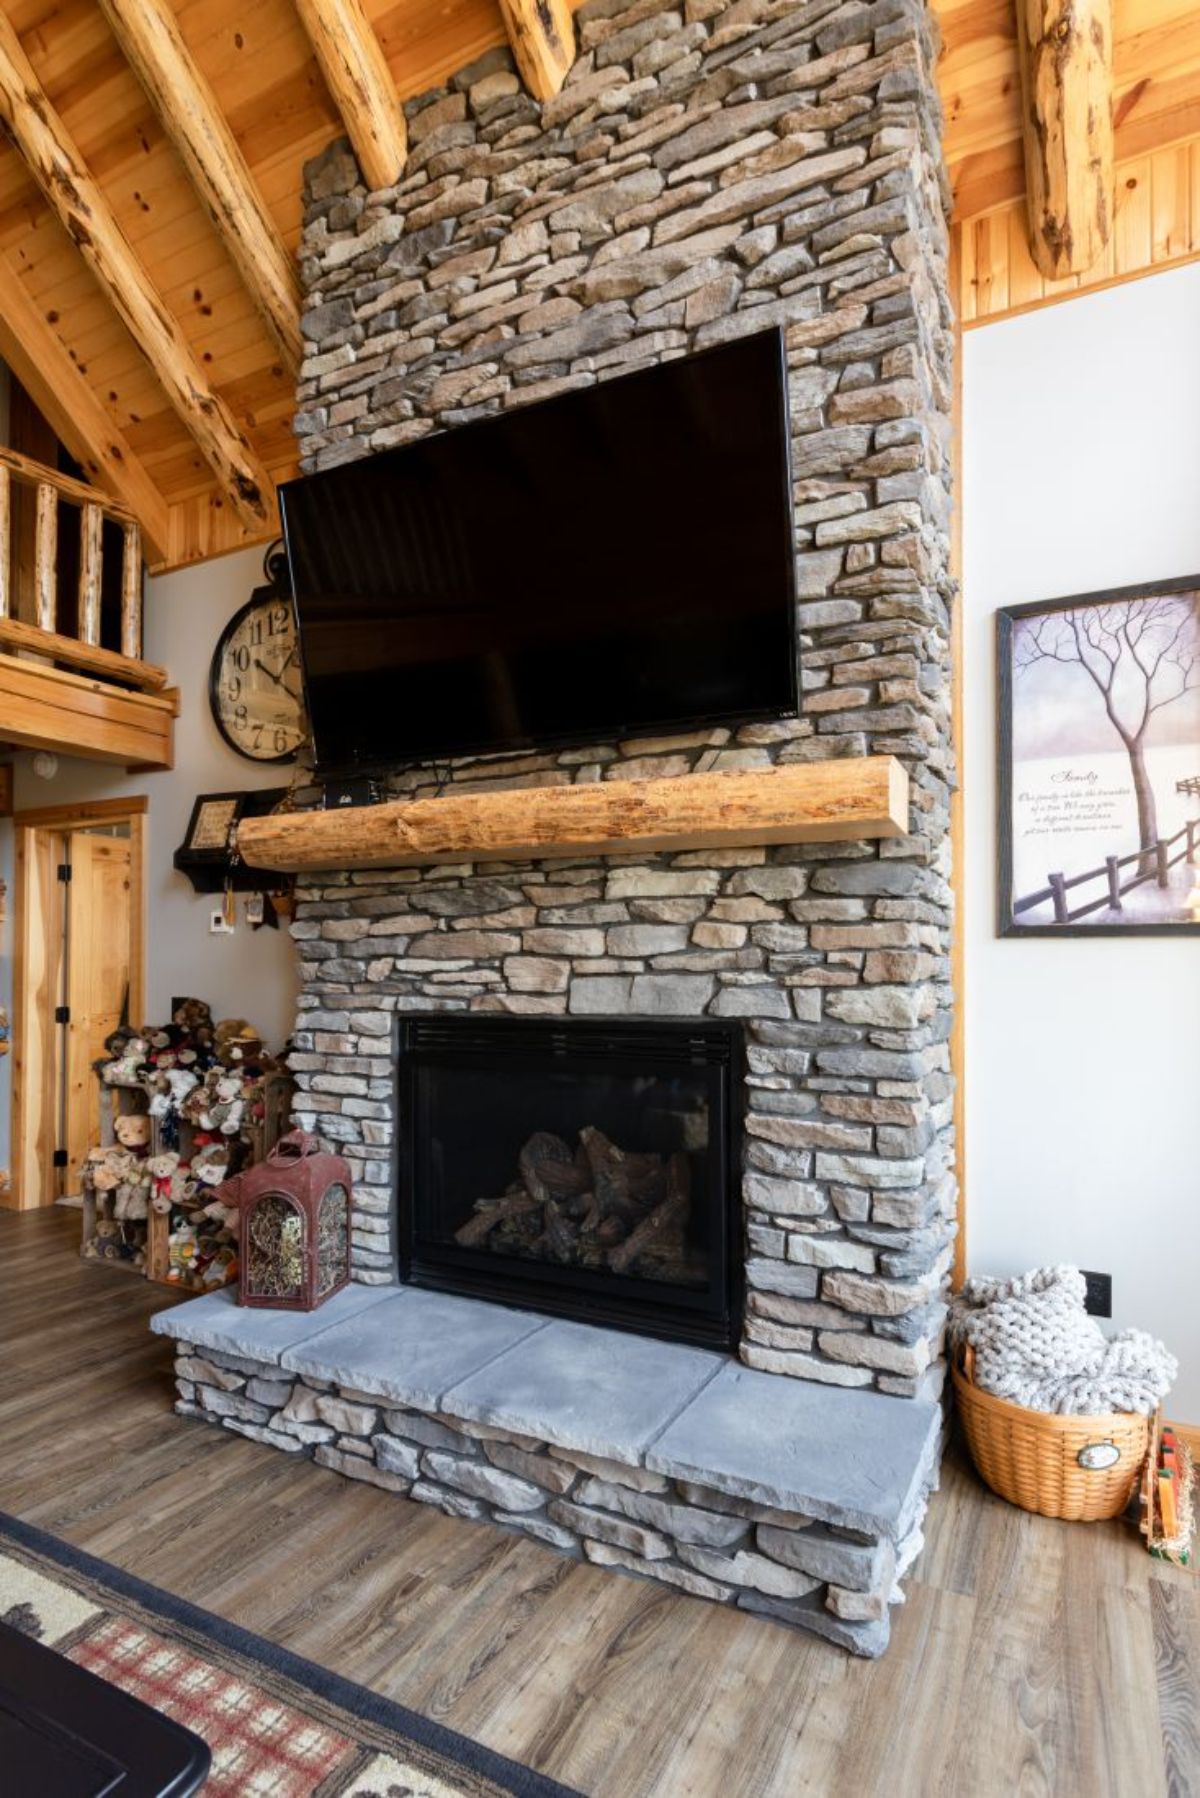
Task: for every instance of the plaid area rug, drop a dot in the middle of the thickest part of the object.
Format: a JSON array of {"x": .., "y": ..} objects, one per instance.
[{"x": 278, "y": 1726}]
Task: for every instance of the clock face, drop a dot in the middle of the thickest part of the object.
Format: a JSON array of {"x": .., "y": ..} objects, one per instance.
[{"x": 255, "y": 687}]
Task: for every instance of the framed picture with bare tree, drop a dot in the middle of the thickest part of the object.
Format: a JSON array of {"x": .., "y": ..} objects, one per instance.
[{"x": 1099, "y": 762}]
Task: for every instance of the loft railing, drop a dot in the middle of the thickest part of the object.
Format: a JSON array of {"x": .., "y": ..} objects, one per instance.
[{"x": 84, "y": 650}]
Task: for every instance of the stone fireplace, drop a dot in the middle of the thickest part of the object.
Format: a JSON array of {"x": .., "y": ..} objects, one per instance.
[
  {"x": 731, "y": 166},
  {"x": 584, "y": 1168}
]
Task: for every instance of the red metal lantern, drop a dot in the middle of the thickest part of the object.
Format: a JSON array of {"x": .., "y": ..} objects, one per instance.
[{"x": 294, "y": 1226}]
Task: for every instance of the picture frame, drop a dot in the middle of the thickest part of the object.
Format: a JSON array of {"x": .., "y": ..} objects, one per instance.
[{"x": 1098, "y": 763}]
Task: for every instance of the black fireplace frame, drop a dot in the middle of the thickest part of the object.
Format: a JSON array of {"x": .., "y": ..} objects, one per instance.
[{"x": 648, "y": 1308}]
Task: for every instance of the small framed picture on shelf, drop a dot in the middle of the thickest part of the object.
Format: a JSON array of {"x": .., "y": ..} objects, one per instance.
[{"x": 1099, "y": 762}]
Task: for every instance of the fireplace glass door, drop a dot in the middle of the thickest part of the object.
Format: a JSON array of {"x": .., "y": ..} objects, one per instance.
[{"x": 582, "y": 1167}]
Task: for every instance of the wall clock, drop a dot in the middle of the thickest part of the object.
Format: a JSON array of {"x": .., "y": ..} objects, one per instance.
[{"x": 255, "y": 688}]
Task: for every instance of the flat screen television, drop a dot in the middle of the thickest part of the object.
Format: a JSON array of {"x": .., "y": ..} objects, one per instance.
[{"x": 608, "y": 563}]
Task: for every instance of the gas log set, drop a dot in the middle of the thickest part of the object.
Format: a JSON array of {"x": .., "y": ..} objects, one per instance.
[{"x": 596, "y": 1206}]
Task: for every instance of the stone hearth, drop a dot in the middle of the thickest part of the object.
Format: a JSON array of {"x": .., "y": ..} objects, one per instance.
[{"x": 781, "y": 1497}]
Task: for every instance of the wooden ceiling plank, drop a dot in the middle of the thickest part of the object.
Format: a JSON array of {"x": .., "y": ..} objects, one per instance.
[
  {"x": 85, "y": 213},
  {"x": 187, "y": 109},
  {"x": 360, "y": 83},
  {"x": 63, "y": 396},
  {"x": 542, "y": 35}
]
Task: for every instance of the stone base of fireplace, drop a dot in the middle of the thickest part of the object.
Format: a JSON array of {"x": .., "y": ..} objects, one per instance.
[{"x": 779, "y": 1496}]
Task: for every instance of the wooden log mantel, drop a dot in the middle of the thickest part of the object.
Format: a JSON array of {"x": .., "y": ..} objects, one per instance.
[{"x": 812, "y": 802}]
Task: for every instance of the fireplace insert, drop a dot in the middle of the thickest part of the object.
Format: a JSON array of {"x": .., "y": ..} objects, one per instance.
[{"x": 590, "y": 1168}]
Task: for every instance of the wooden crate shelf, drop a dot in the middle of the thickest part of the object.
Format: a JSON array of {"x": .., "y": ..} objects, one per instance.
[{"x": 846, "y": 800}]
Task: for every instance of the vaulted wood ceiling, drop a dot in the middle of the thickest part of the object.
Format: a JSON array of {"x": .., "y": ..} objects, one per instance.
[
  {"x": 66, "y": 342},
  {"x": 1156, "y": 83}
]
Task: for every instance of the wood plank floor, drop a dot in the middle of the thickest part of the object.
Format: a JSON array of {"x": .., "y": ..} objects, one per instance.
[{"x": 1031, "y": 1657}]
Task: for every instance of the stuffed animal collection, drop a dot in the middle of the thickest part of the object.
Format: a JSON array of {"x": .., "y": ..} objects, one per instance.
[
  {"x": 119, "y": 1179},
  {"x": 210, "y": 1079}
]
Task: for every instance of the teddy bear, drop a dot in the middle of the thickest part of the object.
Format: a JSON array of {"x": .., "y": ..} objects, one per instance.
[
  {"x": 210, "y": 1163},
  {"x": 132, "y": 1131},
  {"x": 107, "y": 1241},
  {"x": 221, "y": 1268},
  {"x": 126, "y": 1068},
  {"x": 229, "y": 1031},
  {"x": 227, "y": 1106},
  {"x": 163, "y": 1170},
  {"x": 172, "y": 1086},
  {"x": 223, "y": 1208},
  {"x": 194, "y": 1019},
  {"x": 181, "y": 1251},
  {"x": 131, "y": 1200},
  {"x": 110, "y": 1168}
]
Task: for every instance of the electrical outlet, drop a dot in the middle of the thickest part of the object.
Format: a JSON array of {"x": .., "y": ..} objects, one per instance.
[
  {"x": 217, "y": 925},
  {"x": 1098, "y": 1300}
]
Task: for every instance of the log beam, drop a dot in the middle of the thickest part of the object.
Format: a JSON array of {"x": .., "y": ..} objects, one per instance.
[
  {"x": 1065, "y": 49},
  {"x": 815, "y": 802},
  {"x": 360, "y": 83},
  {"x": 149, "y": 35},
  {"x": 69, "y": 405},
  {"x": 542, "y": 35},
  {"x": 57, "y": 167}
]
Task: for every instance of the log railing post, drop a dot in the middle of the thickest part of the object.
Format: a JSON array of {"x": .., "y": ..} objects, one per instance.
[
  {"x": 45, "y": 557},
  {"x": 5, "y": 543},
  {"x": 131, "y": 592},
  {"x": 1113, "y": 866},
  {"x": 1058, "y": 891},
  {"x": 1191, "y": 839},
  {"x": 91, "y": 527}
]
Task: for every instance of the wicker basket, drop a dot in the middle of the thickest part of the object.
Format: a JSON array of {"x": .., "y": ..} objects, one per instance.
[{"x": 1079, "y": 1468}]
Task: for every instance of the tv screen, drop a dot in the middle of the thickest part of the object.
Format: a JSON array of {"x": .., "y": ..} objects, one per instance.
[{"x": 608, "y": 563}]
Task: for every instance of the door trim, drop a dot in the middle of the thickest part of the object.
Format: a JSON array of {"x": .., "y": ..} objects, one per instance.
[{"x": 34, "y": 927}]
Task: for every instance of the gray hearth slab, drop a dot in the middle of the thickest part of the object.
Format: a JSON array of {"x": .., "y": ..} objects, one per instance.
[
  {"x": 602, "y": 1392},
  {"x": 415, "y": 1346},
  {"x": 217, "y": 1321},
  {"x": 859, "y": 1459}
]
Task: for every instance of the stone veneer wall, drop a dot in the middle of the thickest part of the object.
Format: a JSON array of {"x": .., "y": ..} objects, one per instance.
[
  {"x": 704, "y": 173},
  {"x": 834, "y": 1578}
]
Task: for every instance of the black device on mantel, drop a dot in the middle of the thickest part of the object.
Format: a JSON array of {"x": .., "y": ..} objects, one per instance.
[
  {"x": 354, "y": 789},
  {"x": 611, "y": 562}
]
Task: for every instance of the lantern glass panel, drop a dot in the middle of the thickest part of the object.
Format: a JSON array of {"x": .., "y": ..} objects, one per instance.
[
  {"x": 275, "y": 1263},
  {"x": 333, "y": 1239}
]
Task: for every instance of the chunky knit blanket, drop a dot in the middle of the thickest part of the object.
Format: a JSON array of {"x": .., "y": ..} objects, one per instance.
[{"x": 1036, "y": 1345}]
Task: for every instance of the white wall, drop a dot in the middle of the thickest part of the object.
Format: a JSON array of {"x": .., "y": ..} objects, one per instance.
[
  {"x": 1081, "y": 448},
  {"x": 252, "y": 973}
]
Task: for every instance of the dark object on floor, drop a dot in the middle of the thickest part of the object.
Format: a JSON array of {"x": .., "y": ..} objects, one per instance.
[
  {"x": 260, "y": 1709},
  {"x": 64, "y": 1733}
]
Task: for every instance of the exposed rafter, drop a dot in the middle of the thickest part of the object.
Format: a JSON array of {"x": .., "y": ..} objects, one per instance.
[
  {"x": 542, "y": 35},
  {"x": 358, "y": 78},
  {"x": 65, "y": 399},
  {"x": 59, "y": 171},
  {"x": 1067, "y": 81},
  {"x": 187, "y": 109}
]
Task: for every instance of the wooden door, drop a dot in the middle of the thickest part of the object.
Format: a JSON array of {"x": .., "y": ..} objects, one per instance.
[
  {"x": 98, "y": 956},
  {"x": 38, "y": 981}
]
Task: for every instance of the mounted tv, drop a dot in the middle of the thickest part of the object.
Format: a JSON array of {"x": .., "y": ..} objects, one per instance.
[{"x": 612, "y": 562}]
